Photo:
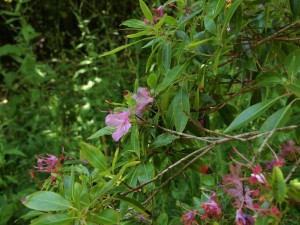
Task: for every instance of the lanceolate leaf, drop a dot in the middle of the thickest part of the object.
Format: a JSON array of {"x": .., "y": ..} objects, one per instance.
[
  {"x": 107, "y": 216},
  {"x": 94, "y": 156},
  {"x": 250, "y": 114},
  {"x": 136, "y": 205},
  {"x": 46, "y": 201},
  {"x": 146, "y": 11},
  {"x": 171, "y": 76},
  {"x": 277, "y": 119},
  {"x": 134, "y": 23},
  {"x": 292, "y": 64},
  {"x": 181, "y": 108},
  {"x": 278, "y": 185},
  {"x": 118, "y": 49},
  {"x": 103, "y": 131},
  {"x": 163, "y": 140},
  {"x": 230, "y": 13},
  {"x": 53, "y": 219},
  {"x": 167, "y": 54},
  {"x": 294, "y": 88},
  {"x": 295, "y": 7}
]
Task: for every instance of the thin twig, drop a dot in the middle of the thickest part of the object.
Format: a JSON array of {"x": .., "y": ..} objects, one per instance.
[{"x": 297, "y": 164}]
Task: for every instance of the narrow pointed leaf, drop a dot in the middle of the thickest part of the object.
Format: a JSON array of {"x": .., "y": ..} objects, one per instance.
[
  {"x": 118, "y": 49},
  {"x": 278, "y": 185},
  {"x": 294, "y": 88},
  {"x": 182, "y": 107},
  {"x": 53, "y": 219},
  {"x": 146, "y": 11},
  {"x": 107, "y": 216},
  {"x": 136, "y": 205},
  {"x": 277, "y": 119},
  {"x": 103, "y": 131},
  {"x": 171, "y": 76},
  {"x": 250, "y": 114},
  {"x": 94, "y": 156},
  {"x": 230, "y": 13},
  {"x": 167, "y": 54}
]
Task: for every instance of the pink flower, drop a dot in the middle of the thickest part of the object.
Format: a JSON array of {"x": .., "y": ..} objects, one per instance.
[
  {"x": 211, "y": 208},
  {"x": 47, "y": 164},
  {"x": 257, "y": 177},
  {"x": 119, "y": 120},
  {"x": 159, "y": 11},
  {"x": 189, "y": 218},
  {"x": 243, "y": 219},
  {"x": 142, "y": 99}
]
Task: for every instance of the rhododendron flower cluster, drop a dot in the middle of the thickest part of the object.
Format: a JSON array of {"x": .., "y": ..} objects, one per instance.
[
  {"x": 121, "y": 120},
  {"x": 50, "y": 164},
  {"x": 189, "y": 218},
  {"x": 211, "y": 208}
]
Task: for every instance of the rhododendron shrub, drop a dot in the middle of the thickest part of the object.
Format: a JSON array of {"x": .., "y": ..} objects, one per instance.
[{"x": 209, "y": 135}]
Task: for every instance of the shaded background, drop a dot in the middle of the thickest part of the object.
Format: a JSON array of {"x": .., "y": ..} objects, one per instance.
[{"x": 52, "y": 82}]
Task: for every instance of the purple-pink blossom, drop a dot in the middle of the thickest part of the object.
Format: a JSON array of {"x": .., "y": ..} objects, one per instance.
[
  {"x": 189, "y": 218},
  {"x": 211, "y": 208},
  {"x": 47, "y": 164},
  {"x": 119, "y": 120},
  {"x": 142, "y": 99},
  {"x": 243, "y": 219},
  {"x": 159, "y": 11}
]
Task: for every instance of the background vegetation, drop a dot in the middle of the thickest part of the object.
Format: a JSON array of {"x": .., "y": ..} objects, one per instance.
[
  {"x": 52, "y": 82},
  {"x": 213, "y": 140}
]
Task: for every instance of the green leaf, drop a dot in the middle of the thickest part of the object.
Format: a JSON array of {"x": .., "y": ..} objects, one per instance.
[
  {"x": 230, "y": 13},
  {"x": 162, "y": 218},
  {"x": 214, "y": 7},
  {"x": 166, "y": 54},
  {"x": 250, "y": 114},
  {"x": 53, "y": 219},
  {"x": 277, "y": 119},
  {"x": 171, "y": 75},
  {"x": 94, "y": 156},
  {"x": 181, "y": 108},
  {"x": 107, "y": 216},
  {"x": 134, "y": 23},
  {"x": 294, "y": 88},
  {"x": 139, "y": 34},
  {"x": 152, "y": 80},
  {"x": 11, "y": 49},
  {"x": 278, "y": 185},
  {"x": 293, "y": 190},
  {"x": 136, "y": 205},
  {"x": 295, "y": 7},
  {"x": 210, "y": 24},
  {"x": 197, "y": 43},
  {"x": 268, "y": 78},
  {"x": 146, "y": 11},
  {"x": 32, "y": 214},
  {"x": 103, "y": 131},
  {"x": 163, "y": 140},
  {"x": 118, "y": 49},
  {"x": 46, "y": 201},
  {"x": 227, "y": 113},
  {"x": 292, "y": 64},
  {"x": 145, "y": 172},
  {"x": 134, "y": 139}
]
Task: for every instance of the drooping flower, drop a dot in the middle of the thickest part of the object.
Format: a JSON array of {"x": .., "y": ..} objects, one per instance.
[
  {"x": 211, "y": 208},
  {"x": 142, "y": 99},
  {"x": 189, "y": 218},
  {"x": 119, "y": 120},
  {"x": 257, "y": 177},
  {"x": 243, "y": 219}
]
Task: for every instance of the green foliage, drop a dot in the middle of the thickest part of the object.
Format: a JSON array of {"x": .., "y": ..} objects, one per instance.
[{"x": 223, "y": 85}]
